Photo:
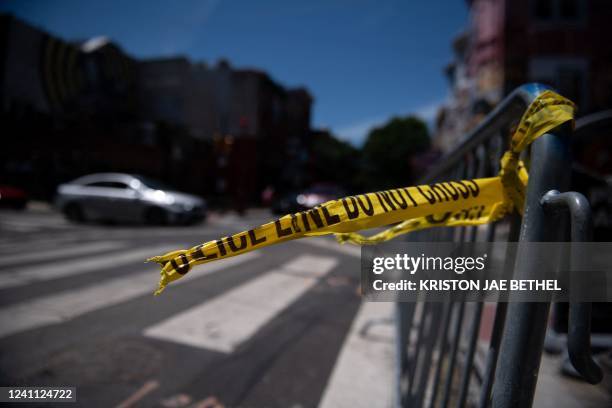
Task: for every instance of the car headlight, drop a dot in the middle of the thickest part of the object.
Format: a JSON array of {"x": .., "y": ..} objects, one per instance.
[{"x": 161, "y": 196}]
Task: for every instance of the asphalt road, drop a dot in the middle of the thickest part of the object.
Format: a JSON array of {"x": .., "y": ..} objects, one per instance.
[
  {"x": 283, "y": 327},
  {"x": 280, "y": 327}
]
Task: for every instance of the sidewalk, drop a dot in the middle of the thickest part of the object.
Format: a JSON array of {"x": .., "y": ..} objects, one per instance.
[
  {"x": 555, "y": 390},
  {"x": 558, "y": 391}
]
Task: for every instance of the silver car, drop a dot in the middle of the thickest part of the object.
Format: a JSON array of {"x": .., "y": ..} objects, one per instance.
[{"x": 127, "y": 197}]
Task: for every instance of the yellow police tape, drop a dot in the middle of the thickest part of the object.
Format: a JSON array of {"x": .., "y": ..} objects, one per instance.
[{"x": 447, "y": 204}]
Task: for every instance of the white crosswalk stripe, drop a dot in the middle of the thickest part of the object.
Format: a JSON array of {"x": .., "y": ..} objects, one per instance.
[
  {"x": 67, "y": 305},
  {"x": 8, "y": 245},
  {"x": 225, "y": 322},
  {"x": 363, "y": 374},
  {"x": 23, "y": 276},
  {"x": 83, "y": 249},
  {"x": 31, "y": 225}
]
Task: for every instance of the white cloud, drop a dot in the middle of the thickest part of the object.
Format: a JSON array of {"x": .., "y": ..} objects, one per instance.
[
  {"x": 355, "y": 133},
  {"x": 428, "y": 112},
  {"x": 181, "y": 35}
]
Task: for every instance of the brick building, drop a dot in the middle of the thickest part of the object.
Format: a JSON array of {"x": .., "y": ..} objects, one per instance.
[
  {"x": 70, "y": 108},
  {"x": 258, "y": 129},
  {"x": 562, "y": 43}
]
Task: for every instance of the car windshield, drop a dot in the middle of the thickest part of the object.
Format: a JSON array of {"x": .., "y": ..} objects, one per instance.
[{"x": 152, "y": 183}]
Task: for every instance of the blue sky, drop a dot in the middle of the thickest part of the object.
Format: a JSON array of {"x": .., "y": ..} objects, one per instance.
[{"x": 364, "y": 61}]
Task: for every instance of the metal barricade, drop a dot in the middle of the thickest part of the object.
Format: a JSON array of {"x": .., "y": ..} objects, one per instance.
[{"x": 439, "y": 358}]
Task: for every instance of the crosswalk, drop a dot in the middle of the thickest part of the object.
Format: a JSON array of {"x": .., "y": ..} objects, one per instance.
[
  {"x": 222, "y": 323},
  {"x": 24, "y": 224},
  {"x": 34, "y": 254},
  {"x": 72, "y": 303},
  {"x": 60, "y": 269}
]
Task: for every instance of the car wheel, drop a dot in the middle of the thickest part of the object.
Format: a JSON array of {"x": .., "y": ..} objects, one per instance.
[
  {"x": 156, "y": 216},
  {"x": 74, "y": 213},
  {"x": 196, "y": 220},
  {"x": 20, "y": 205}
]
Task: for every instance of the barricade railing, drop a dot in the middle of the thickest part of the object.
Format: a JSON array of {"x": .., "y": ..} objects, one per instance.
[{"x": 444, "y": 357}]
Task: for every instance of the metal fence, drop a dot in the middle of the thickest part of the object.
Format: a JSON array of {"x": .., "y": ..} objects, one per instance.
[{"x": 442, "y": 360}]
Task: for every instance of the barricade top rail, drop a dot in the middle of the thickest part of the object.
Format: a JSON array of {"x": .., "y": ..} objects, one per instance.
[{"x": 509, "y": 110}]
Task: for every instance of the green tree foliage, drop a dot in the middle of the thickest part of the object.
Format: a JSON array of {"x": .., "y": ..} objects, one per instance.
[
  {"x": 335, "y": 161},
  {"x": 388, "y": 150}
]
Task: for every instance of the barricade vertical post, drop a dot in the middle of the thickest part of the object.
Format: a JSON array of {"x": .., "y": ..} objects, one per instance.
[
  {"x": 523, "y": 339},
  {"x": 498, "y": 326}
]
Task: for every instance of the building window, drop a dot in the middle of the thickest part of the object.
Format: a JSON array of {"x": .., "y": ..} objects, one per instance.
[
  {"x": 559, "y": 11},
  {"x": 567, "y": 75},
  {"x": 571, "y": 82},
  {"x": 543, "y": 9},
  {"x": 568, "y": 9}
]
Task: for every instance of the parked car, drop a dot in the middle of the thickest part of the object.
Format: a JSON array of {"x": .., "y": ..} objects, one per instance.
[
  {"x": 127, "y": 197},
  {"x": 303, "y": 200},
  {"x": 13, "y": 197}
]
